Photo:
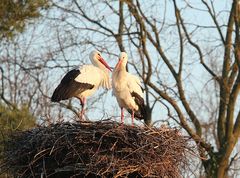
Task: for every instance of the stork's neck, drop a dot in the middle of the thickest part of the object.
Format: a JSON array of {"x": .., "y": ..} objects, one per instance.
[
  {"x": 104, "y": 72},
  {"x": 120, "y": 71},
  {"x": 102, "y": 67},
  {"x": 105, "y": 78},
  {"x": 121, "y": 66}
]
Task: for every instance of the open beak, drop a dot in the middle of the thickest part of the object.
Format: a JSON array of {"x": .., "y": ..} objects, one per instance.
[{"x": 105, "y": 64}]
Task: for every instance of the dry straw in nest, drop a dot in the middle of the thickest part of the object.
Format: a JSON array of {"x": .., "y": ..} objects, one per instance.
[{"x": 96, "y": 149}]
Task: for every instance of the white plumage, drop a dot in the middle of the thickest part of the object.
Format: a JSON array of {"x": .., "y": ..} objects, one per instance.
[
  {"x": 127, "y": 89},
  {"x": 84, "y": 81},
  {"x": 94, "y": 76}
]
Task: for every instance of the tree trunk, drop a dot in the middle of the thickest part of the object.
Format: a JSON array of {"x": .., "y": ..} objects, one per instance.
[
  {"x": 148, "y": 115},
  {"x": 222, "y": 169},
  {"x": 215, "y": 166}
]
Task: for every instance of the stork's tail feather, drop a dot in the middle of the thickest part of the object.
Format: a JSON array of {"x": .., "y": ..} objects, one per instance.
[
  {"x": 141, "y": 114},
  {"x": 59, "y": 94},
  {"x": 54, "y": 98}
]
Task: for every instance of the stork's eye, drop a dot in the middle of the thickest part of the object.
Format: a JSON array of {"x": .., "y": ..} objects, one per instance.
[{"x": 98, "y": 54}]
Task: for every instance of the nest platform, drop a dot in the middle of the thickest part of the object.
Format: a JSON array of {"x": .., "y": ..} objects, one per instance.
[{"x": 102, "y": 149}]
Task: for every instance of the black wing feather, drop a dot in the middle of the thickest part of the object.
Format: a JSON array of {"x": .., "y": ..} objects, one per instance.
[
  {"x": 68, "y": 87},
  {"x": 141, "y": 113}
]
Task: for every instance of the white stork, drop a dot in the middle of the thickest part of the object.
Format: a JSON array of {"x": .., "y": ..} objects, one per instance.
[
  {"x": 127, "y": 89},
  {"x": 84, "y": 81}
]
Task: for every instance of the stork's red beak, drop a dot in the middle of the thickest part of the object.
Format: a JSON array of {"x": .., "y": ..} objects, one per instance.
[
  {"x": 105, "y": 64},
  {"x": 119, "y": 63}
]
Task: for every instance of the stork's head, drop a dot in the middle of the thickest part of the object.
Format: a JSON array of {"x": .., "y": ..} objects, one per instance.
[
  {"x": 97, "y": 60},
  {"x": 122, "y": 61}
]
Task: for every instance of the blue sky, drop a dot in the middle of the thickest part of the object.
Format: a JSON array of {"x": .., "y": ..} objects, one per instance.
[
  {"x": 47, "y": 34},
  {"x": 79, "y": 54},
  {"x": 43, "y": 39}
]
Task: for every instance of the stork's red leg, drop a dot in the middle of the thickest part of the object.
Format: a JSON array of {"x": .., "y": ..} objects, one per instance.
[
  {"x": 122, "y": 115},
  {"x": 132, "y": 117},
  {"x": 82, "y": 101}
]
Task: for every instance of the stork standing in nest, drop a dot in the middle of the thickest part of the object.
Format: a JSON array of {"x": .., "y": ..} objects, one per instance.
[
  {"x": 84, "y": 81},
  {"x": 127, "y": 89}
]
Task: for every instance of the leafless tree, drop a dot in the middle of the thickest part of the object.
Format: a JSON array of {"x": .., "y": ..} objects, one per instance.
[
  {"x": 190, "y": 70},
  {"x": 187, "y": 54}
]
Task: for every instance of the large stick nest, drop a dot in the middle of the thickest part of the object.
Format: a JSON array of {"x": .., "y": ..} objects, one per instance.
[{"x": 96, "y": 149}]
